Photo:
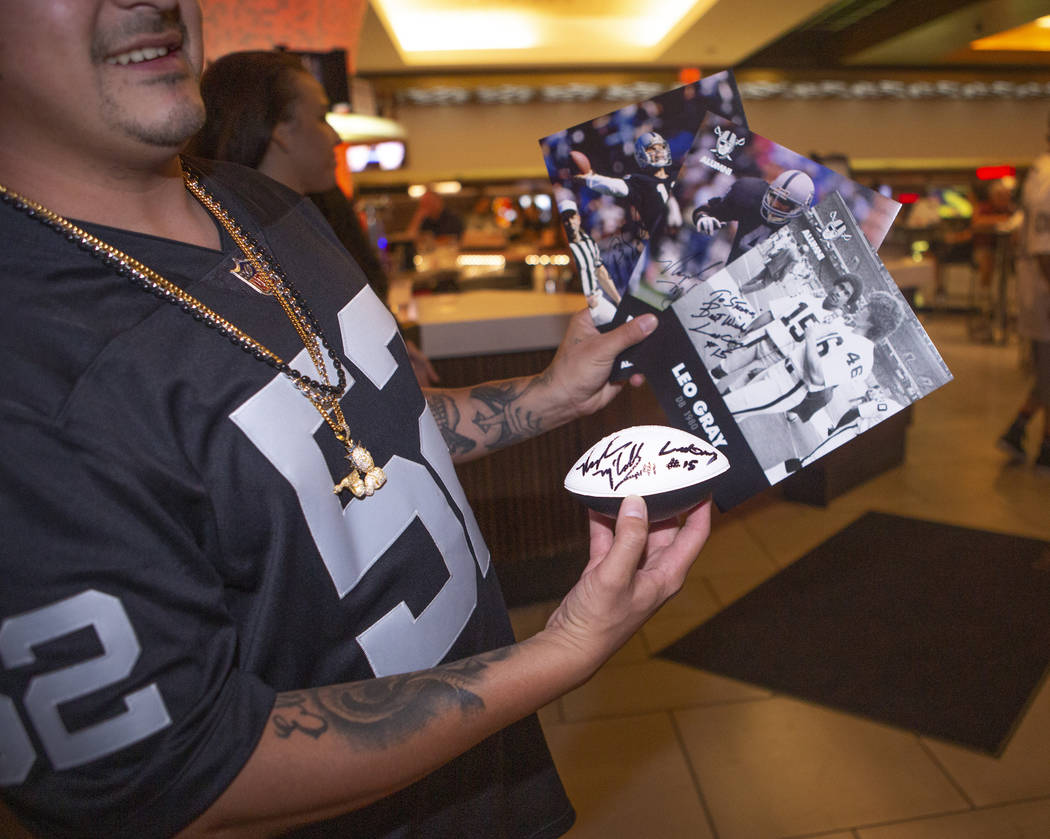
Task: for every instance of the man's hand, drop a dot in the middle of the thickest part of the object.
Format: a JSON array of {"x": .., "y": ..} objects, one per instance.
[
  {"x": 632, "y": 571},
  {"x": 708, "y": 225},
  {"x": 577, "y": 381}
]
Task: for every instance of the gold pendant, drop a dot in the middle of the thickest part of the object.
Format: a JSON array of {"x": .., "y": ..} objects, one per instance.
[{"x": 365, "y": 478}]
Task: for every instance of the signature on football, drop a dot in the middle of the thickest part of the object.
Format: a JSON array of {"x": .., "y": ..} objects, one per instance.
[
  {"x": 619, "y": 462},
  {"x": 691, "y": 450}
]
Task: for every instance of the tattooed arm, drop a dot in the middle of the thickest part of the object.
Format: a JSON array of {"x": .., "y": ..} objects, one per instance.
[
  {"x": 478, "y": 420},
  {"x": 329, "y": 750}
]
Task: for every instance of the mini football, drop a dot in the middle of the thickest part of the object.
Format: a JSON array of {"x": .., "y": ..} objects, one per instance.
[
  {"x": 671, "y": 469},
  {"x": 581, "y": 162}
]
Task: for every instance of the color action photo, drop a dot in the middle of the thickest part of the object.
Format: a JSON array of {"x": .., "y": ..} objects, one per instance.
[
  {"x": 734, "y": 190},
  {"x": 614, "y": 180}
]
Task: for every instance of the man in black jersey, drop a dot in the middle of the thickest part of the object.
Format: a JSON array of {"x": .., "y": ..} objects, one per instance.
[
  {"x": 758, "y": 208},
  {"x": 198, "y": 634},
  {"x": 650, "y": 191}
]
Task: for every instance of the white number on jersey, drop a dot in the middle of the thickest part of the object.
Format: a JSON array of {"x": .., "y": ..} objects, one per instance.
[
  {"x": 350, "y": 541},
  {"x": 281, "y": 424},
  {"x": 145, "y": 712}
]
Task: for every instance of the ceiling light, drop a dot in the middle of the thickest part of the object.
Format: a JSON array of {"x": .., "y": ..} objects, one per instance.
[
  {"x": 360, "y": 128},
  {"x": 432, "y": 31},
  {"x": 1029, "y": 37},
  {"x": 445, "y": 31}
]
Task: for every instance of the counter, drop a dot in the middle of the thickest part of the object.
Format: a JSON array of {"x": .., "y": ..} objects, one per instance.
[{"x": 492, "y": 322}]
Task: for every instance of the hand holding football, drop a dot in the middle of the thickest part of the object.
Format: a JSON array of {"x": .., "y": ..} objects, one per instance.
[
  {"x": 671, "y": 469},
  {"x": 581, "y": 162}
]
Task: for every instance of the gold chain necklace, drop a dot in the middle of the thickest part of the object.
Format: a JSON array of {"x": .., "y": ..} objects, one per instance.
[{"x": 364, "y": 477}]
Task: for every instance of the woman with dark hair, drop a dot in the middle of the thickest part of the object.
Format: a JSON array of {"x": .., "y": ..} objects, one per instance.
[{"x": 265, "y": 110}]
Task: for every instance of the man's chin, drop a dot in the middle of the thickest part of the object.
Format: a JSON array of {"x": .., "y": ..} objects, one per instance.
[{"x": 172, "y": 132}]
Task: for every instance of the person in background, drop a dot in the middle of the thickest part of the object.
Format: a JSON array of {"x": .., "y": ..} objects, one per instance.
[
  {"x": 990, "y": 218},
  {"x": 243, "y": 592},
  {"x": 433, "y": 223},
  {"x": 1033, "y": 311},
  {"x": 267, "y": 112}
]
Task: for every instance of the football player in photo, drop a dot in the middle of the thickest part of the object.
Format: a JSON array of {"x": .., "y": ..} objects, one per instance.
[
  {"x": 831, "y": 355},
  {"x": 783, "y": 325},
  {"x": 759, "y": 208},
  {"x": 865, "y": 411},
  {"x": 649, "y": 191}
]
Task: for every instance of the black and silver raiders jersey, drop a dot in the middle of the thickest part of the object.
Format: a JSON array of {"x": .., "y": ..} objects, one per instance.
[
  {"x": 650, "y": 196},
  {"x": 175, "y": 554}
]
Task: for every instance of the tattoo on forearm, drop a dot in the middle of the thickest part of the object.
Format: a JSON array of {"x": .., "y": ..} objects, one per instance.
[
  {"x": 446, "y": 414},
  {"x": 505, "y": 416},
  {"x": 384, "y": 712},
  {"x": 291, "y": 715}
]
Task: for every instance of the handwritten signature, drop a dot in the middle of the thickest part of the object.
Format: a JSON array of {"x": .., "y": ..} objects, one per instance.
[
  {"x": 619, "y": 255},
  {"x": 620, "y": 462},
  {"x": 720, "y": 304},
  {"x": 691, "y": 449},
  {"x": 617, "y": 462},
  {"x": 680, "y": 267},
  {"x": 721, "y": 345}
]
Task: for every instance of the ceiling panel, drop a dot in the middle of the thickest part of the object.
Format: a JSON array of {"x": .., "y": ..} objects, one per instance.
[
  {"x": 461, "y": 34},
  {"x": 488, "y": 36},
  {"x": 712, "y": 34},
  {"x": 500, "y": 32},
  {"x": 945, "y": 40}
]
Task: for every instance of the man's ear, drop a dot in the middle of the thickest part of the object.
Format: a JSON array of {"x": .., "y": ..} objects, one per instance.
[{"x": 280, "y": 137}]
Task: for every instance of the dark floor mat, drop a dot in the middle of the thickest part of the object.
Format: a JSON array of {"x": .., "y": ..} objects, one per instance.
[{"x": 941, "y": 630}]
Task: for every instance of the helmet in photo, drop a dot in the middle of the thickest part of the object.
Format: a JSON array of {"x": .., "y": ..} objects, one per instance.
[
  {"x": 792, "y": 190},
  {"x": 649, "y": 157}
]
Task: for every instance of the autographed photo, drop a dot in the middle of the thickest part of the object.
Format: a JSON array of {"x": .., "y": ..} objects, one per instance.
[
  {"x": 791, "y": 350},
  {"x": 735, "y": 189},
  {"x": 614, "y": 179}
]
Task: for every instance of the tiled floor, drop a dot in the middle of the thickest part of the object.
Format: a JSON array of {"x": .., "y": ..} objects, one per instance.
[{"x": 654, "y": 750}]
